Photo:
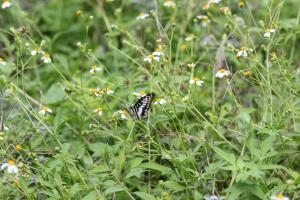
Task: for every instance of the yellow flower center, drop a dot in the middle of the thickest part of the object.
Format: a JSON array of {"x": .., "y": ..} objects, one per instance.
[
  {"x": 142, "y": 14},
  {"x": 93, "y": 90},
  {"x": 18, "y": 148},
  {"x": 151, "y": 56},
  {"x": 267, "y": 30},
  {"x": 196, "y": 79},
  {"x": 222, "y": 70},
  {"x": 183, "y": 47},
  {"x": 79, "y": 13},
  {"x": 6, "y": 1},
  {"x": 37, "y": 49},
  {"x": 1, "y": 60},
  {"x": 46, "y": 55},
  {"x": 241, "y": 4},
  {"x": 11, "y": 162},
  {"x": 247, "y": 73},
  {"x": 280, "y": 196},
  {"x": 124, "y": 112},
  {"x": 243, "y": 49},
  {"x": 93, "y": 66},
  {"x": 158, "y": 49},
  {"x": 142, "y": 93},
  {"x": 45, "y": 108},
  {"x": 99, "y": 109}
]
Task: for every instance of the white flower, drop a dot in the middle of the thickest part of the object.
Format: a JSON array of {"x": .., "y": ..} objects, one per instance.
[
  {"x": 36, "y": 50},
  {"x": 184, "y": 99},
  {"x": 150, "y": 58},
  {"x": 160, "y": 101},
  {"x": 99, "y": 110},
  {"x": 243, "y": 52},
  {"x": 45, "y": 110},
  {"x": 169, "y": 3},
  {"x": 108, "y": 91},
  {"x": 79, "y": 44},
  {"x": 140, "y": 94},
  {"x": 191, "y": 65},
  {"x": 46, "y": 58},
  {"x": 196, "y": 81},
  {"x": 124, "y": 114},
  {"x": 10, "y": 167},
  {"x": 279, "y": 197},
  {"x": 204, "y": 20},
  {"x": 6, "y": 4},
  {"x": 2, "y": 62},
  {"x": 190, "y": 38},
  {"x": 213, "y": 197},
  {"x": 97, "y": 92},
  {"x": 214, "y": 1},
  {"x": 158, "y": 52},
  {"x": 268, "y": 32},
  {"x": 222, "y": 72},
  {"x": 94, "y": 69},
  {"x": 142, "y": 16}
]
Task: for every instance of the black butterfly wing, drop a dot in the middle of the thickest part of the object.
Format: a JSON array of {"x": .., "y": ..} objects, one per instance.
[{"x": 141, "y": 108}]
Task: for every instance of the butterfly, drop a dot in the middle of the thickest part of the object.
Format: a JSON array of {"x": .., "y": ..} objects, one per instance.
[{"x": 141, "y": 108}]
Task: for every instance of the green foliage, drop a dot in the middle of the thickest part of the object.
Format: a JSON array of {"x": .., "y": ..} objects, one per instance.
[{"x": 68, "y": 67}]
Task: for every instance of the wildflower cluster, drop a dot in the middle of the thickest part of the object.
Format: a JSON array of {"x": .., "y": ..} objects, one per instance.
[
  {"x": 155, "y": 56},
  {"x": 45, "y": 57}
]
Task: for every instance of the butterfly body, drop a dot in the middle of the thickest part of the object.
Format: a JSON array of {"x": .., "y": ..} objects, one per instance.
[{"x": 141, "y": 108}]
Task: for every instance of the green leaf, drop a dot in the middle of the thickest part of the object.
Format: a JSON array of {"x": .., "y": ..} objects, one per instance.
[
  {"x": 135, "y": 172},
  {"x": 97, "y": 148},
  {"x": 114, "y": 189},
  {"x": 174, "y": 186},
  {"x": 229, "y": 157},
  {"x": 155, "y": 166},
  {"x": 36, "y": 141},
  {"x": 91, "y": 196},
  {"x": 75, "y": 189},
  {"x": 100, "y": 169},
  {"x": 65, "y": 148},
  {"x": 144, "y": 196},
  {"x": 267, "y": 144},
  {"x": 272, "y": 166},
  {"x": 135, "y": 162},
  {"x": 54, "y": 95}
]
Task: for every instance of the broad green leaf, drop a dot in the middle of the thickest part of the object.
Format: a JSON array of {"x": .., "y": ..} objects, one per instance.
[
  {"x": 267, "y": 144},
  {"x": 75, "y": 189},
  {"x": 145, "y": 196},
  {"x": 100, "y": 169},
  {"x": 54, "y": 95},
  {"x": 272, "y": 166},
  {"x": 135, "y": 162},
  {"x": 229, "y": 157},
  {"x": 135, "y": 172},
  {"x": 91, "y": 196},
  {"x": 114, "y": 189},
  {"x": 174, "y": 186},
  {"x": 97, "y": 148}
]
